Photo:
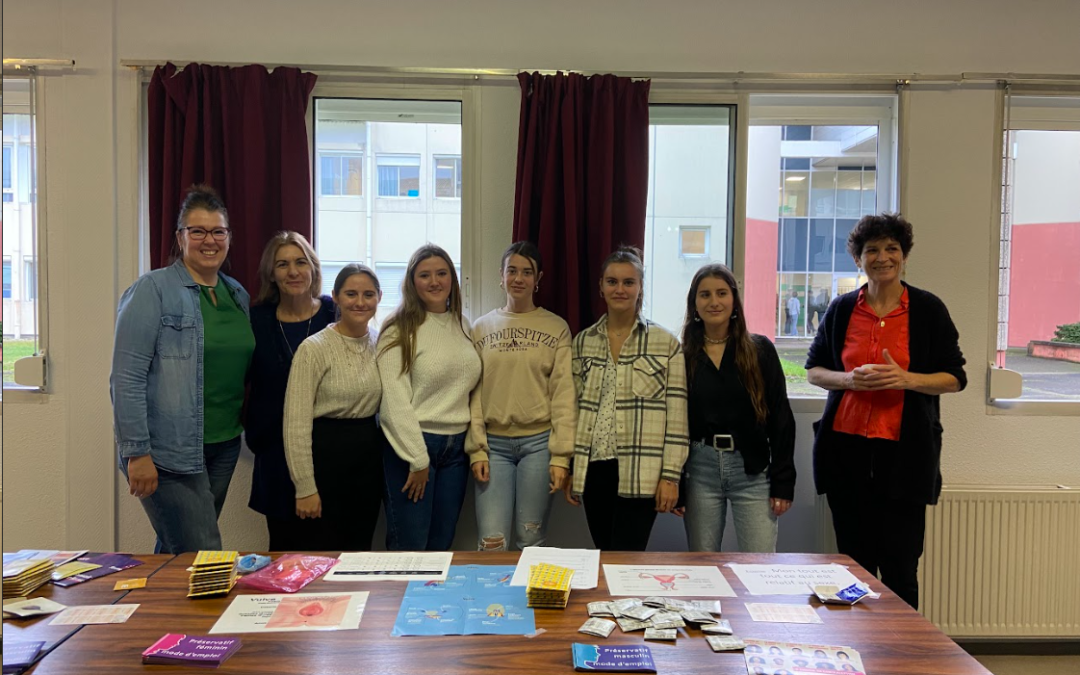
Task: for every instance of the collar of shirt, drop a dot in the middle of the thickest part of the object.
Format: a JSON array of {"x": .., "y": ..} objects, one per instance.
[
  {"x": 863, "y": 307},
  {"x": 601, "y": 326}
]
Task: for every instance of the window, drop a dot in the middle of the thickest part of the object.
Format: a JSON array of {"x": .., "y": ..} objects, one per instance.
[
  {"x": 689, "y": 211},
  {"x": 341, "y": 174},
  {"x": 693, "y": 242},
  {"x": 21, "y": 292},
  {"x": 383, "y": 232},
  {"x": 1039, "y": 286},
  {"x": 399, "y": 175},
  {"x": 447, "y": 177},
  {"x": 816, "y": 165},
  {"x": 7, "y": 165}
]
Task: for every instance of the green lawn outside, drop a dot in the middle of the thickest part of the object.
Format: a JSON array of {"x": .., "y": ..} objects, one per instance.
[
  {"x": 14, "y": 350},
  {"x": 793, "y": 370}
]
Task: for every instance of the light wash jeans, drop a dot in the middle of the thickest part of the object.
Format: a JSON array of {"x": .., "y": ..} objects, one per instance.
[
  {"x": 516, "y": 494},
  {"x": 713, "y": 479},
  {"x": 185, "y": 507}
]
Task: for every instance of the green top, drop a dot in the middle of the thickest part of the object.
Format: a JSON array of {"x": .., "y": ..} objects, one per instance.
[{"x": 227, "y": 347}]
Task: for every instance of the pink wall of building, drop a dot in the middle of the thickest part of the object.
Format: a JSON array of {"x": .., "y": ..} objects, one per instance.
[
  {"x": 1044, "y": 290},
  {"x": 762, "y": 240}
]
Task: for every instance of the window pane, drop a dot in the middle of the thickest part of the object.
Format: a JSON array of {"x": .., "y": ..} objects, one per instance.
[
  {"x": 687, "y": 215},
  {"x": 1042, "y": 319},
  {"x": 329, "y": 174},
  {"x": 447, "y": 177},
  {"x": 798, "y": 216},
  {"x": 380, "y": 156},
  {"x": 20, "y": 235}
]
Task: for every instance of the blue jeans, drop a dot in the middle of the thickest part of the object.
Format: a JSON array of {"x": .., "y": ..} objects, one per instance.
[
  {"x": 517, "y": 490},
  {"x": 429, "y": 524},
  {"x": 713, "y": 479},
  {"x": 185, "y": 507}
]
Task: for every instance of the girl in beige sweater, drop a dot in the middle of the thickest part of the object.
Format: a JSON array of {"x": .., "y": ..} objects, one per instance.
[{"x": 529, "y": 409}]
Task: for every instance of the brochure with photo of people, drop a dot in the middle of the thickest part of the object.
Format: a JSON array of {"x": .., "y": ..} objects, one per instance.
[{"x": 786, "y": 658}]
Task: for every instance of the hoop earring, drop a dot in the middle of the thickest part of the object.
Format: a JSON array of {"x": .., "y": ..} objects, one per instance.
[
  {"x": 536, "y": 288},
  {"x": 697, "y": 318}
]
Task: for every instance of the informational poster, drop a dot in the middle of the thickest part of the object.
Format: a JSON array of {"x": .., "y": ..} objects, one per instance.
[
  {"x": 667, "y": 580},
  {"x": 585, "y": 563},
  {"x": 791, "y": 579},
  {"x": 391, "y": 566},
  {"x": 292, "y": 612},
  {"x": 474, "y": 600},
  {"x": 788, "y": 658},
  {"x": 782, "y": 613}
]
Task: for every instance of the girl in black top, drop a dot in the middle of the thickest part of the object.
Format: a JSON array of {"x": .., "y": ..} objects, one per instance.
[{"x": 742, "y": 430}]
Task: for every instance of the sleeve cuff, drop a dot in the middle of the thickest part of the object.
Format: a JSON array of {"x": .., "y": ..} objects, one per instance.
[{"x": 137, "y": 449}]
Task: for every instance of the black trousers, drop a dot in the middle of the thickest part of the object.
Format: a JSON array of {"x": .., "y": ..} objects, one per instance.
[
  {"x": 615, "y": 523},
  {"x": 347, "y": 454},
  {"x": 879, "y": 531}
]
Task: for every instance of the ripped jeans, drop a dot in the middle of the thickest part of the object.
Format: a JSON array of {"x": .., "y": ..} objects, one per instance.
[{"x": 516, "y": 494}]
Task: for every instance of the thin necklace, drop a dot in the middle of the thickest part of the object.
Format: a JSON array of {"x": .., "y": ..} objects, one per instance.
[
  {"x": 307, "y": 333},
  {"x": 715, "y": 342}
]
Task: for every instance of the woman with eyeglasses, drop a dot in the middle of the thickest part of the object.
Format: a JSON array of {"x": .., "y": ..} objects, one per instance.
[
  {"x": 289, "y": 308},
  {"x": 181, "y": 355}
]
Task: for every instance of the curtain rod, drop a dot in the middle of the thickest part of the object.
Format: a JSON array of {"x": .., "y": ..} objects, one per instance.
[
  {"x": 20, "y": 64},
  {"x": 740, "y": 76}
]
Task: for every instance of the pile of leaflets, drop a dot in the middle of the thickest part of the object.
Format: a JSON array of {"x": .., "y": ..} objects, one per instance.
[
  {"x": 212, "y": 573},
  {"x": 549, "y": 586},
  {"x": 23, "y": 576}
]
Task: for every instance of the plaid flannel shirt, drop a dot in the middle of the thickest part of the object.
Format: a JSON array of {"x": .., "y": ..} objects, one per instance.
[{"x": 650, "y": 405}]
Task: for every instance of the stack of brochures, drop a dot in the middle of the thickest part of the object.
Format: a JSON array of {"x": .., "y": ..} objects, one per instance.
[
  {"x": 212, "y": 573},
  {"x": 177, "y": 649},
  {"x": 20, "y": 655},
  {"x": 24, "y": 576},
  {"x": 549, "y": 586}
]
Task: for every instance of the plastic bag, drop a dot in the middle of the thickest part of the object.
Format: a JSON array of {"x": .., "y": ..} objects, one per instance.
[{"x": 289, "y": 573}]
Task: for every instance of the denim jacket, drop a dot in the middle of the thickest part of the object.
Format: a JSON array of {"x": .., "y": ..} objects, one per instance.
[{"x": 157, "y": 370}]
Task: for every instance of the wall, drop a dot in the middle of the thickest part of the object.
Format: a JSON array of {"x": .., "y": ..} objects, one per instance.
[{"x": 63, "y": 490}]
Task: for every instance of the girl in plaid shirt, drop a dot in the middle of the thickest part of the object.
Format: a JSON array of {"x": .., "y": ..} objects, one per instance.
[{"x": 632, "y": 437}]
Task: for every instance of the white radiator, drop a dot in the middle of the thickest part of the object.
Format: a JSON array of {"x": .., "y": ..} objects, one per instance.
[{"x": 999, "y": 562}]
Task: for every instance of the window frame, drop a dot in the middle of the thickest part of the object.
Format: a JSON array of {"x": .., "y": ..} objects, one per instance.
[
  {"x": 457, "y": 178},
  {"x": 464, "y": 92},
  {"x": 1020, "y": 118},
  {"x": 339, "y": 155},
  {"x": 36, "y": 107},
  {"x": 419, "y": 173}
]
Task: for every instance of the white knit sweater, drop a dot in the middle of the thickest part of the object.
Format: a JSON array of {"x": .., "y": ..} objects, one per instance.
[
  {"x": 440, "y": 394},
  {"x": 331, "y": 376}
]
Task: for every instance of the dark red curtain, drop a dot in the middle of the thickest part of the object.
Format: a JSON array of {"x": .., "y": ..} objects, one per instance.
[
  {"x": 582, "y": 181},
  {"x": 242, "y": 131}
]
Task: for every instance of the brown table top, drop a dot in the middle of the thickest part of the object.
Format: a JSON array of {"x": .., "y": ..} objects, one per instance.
[
  {"x": 891, "y": 637},
  {"x": 94, "y": 592}
]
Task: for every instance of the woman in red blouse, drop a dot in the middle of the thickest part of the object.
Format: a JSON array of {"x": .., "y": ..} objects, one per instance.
[{"x": 886, "y": 352}]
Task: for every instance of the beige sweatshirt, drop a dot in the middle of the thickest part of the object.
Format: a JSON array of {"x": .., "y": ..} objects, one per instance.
[
  {"x": 528, "y": 384},
  {"x": 436, "y": 396}
]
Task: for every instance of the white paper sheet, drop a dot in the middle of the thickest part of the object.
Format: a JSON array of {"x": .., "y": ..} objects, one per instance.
[
  {"x": 667, "y": 580},
  {"x": 782, "y": 613},
  {"x": 585, "y": 563},
  {"x": 292, "y": 612},
  {"x": 391, "y": 566},
  {"x": 87, "y": 614},
  {"x": 790, "y": 579}
]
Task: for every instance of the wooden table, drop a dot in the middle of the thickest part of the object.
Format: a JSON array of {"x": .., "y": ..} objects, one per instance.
[
  {"x": 94, "y": 592},
  {"x": 892, "y": 638}
]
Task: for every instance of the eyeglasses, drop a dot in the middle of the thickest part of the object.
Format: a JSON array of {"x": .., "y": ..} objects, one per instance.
[{"x": 198, "y": 234}]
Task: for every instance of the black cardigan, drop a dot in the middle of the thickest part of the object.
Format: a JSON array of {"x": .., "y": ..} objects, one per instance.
[{"x": 913, "y": 472}]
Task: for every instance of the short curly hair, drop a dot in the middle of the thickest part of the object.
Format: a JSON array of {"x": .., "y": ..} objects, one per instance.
[{"x": 882, "y": 226}]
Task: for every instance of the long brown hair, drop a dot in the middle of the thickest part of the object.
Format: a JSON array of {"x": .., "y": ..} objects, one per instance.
[
  {"x": 411, "y": 313},
  {"x": 746, "y": 352}
]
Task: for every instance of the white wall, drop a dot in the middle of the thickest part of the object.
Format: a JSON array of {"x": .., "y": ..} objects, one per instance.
[{"x": 62, "y": 489}]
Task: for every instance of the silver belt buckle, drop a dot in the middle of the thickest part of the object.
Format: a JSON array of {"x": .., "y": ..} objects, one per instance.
[{"x": 724, "y": 442}]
